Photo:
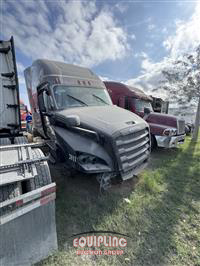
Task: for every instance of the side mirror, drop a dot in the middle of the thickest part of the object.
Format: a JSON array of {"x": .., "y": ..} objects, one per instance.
[
  {"x": 147, "y": 111},
  {"x": 41, "y": 105},
  {"x": 73, "y": 121}
]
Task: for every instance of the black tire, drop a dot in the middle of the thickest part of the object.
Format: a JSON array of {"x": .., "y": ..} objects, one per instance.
[
  {"x": 21, "y": 140},
  {"x": 5, "y": 141},
  {"x": 153, "y": 142},
  {"x": 9, "y": 191},
  {"x": 44, "y": 177}
]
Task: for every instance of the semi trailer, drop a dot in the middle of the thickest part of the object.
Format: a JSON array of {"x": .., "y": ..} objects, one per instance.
[
  {"x": 27, "y": 193},
  {"x": 73, "y": 112},
  {"x": 167, "y": 131}
]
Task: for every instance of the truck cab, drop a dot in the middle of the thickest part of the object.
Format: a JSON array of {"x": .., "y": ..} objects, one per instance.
[
  {"x": 72, "y": 110},
  {"x": 166, "y": 130}
]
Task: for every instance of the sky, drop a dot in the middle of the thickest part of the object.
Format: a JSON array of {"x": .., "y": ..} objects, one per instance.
[{"x": 127, "y": 41}]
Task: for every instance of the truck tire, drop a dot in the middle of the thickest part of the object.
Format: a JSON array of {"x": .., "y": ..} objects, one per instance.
[
  {"x": 5, "y": 141},
  {"x": 9, "y": 191},
  {"x": 21, "y": 140},
  {"x": 44, "y": 177},
  {"x": 153, "y": 142}
]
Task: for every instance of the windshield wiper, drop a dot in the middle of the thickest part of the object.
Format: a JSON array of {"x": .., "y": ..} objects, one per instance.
[
  {"x": 102, "y": 100},
  {"x": 76, "y": 99}
]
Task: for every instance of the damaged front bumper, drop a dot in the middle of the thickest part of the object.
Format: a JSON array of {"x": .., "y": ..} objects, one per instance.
[{"x": 170, "y": 142}]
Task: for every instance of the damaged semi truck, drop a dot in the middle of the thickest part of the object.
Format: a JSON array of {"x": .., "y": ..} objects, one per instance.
[
  {"x": 73, "y": 111},
  {"x": 27, "y": 194},
  {"x": 167, "y": 131}
]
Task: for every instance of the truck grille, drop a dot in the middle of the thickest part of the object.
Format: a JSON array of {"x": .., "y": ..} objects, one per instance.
[
  {"x": 181, "y": 126},
  {"x": 133, "y": 148}
]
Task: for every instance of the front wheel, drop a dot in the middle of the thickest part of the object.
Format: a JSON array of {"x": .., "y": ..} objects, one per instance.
[{"x": 153, "y": 142}]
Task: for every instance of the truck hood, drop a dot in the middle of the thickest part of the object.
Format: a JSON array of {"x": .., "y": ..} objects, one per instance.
[
  {"x": 107, "y": 119},
  {"x": 162, "y": 119}
]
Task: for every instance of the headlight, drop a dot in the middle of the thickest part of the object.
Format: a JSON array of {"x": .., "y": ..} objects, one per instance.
[
  {"x": 85, "y": 158},
  {"x": 170, "y": 132}
]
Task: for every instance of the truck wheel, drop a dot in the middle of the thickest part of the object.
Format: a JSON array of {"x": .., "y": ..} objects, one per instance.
[
  {"x": 153, "y": 142},
  {"x": 21, "y": 140},
  {"x": 44, "y": 177},
  {"x": 5, "y": 141},
  {"x": 9, "y": 191}
]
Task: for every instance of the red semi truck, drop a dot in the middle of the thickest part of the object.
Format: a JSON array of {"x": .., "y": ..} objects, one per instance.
[{"x": 166, "y": 130}]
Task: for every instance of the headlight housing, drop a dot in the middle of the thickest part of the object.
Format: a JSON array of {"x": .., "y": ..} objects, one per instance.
[
  {"x": 85, "y": 158},
  {"x": 170, "y": 132}
]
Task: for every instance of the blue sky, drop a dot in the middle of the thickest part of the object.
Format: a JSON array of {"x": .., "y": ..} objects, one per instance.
[{"x": 129, "y": 41}]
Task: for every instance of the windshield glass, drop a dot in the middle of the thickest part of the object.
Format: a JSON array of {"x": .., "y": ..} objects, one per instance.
[
  {"x": 67, "y": 97},
  {"x": 141, "y": 104}
]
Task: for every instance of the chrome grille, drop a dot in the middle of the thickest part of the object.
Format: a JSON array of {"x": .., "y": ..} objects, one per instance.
[
  {"x": 133, "y": 148},
  {"x": 181, "y": 126}
]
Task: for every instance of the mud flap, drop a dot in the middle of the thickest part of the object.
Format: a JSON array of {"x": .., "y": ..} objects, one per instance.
[{"x": 29, "y": 238}]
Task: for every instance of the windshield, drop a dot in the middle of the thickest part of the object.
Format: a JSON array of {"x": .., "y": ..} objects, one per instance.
[
  {"x": 141, "y": 104},
  {"x": 67, "y": 97}
]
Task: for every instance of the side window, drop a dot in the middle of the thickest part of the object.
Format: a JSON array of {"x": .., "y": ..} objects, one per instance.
[
  {"x": 127, "y": 105},
  {"x": 138, "y": 105}
]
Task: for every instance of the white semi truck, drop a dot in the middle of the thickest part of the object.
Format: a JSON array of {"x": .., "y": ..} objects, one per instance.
[{"x": 27, "y": 194}]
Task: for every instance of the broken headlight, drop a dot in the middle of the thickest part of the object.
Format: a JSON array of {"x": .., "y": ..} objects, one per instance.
[{"x": 85, "y": 158}]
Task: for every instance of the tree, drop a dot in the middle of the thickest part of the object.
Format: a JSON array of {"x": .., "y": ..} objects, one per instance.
[{"x": 182, "y": 81}]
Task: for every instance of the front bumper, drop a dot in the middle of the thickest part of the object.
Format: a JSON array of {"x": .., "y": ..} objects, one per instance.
[
  {"x": 170, "y": 142},
  {"x": 134, "y": 172}
]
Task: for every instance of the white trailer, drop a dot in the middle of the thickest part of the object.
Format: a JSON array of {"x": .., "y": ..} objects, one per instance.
[{"x": 27, "y": 193}]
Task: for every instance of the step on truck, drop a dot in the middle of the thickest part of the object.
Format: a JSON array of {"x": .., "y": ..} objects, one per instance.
[
  {"x": 167, "y": 131},
  {"x": 27, "y": 194},
  {"x": 73, "y": 112}
]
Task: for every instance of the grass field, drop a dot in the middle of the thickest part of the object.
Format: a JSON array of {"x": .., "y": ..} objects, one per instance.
[{"x": 162, "y": 213}]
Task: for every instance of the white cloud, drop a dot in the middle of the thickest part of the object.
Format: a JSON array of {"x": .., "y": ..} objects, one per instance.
[
  {"x": 121, "y": 7},
  {"x": 75, "y": 31},
  {"x": 133, "y": 37},
  {"x": 20, "y": 70},
  {"x": 167, "y": 44},
  {"x": 141, "y": 55},
  {"x": 165, "y": 30},
  {"x": 149, "y": 44},
  {"x": 150, "y": 77},
  {"x": 187, "y": 35},
  {"x": 185, "y": 39},
  {"x": 151, "y": 27}
]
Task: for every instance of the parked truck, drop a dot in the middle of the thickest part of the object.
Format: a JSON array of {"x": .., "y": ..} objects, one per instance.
[
  {"x": 166, "y": 131},
  {"x": 27, "y": 194},
  {"x": 73, "y": 112}
]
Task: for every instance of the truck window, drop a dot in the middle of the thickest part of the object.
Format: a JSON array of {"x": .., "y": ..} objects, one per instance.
[
  {"x": 68, "y": 97},
  {"x": 141, "y": 104},
  {"x": 127, "y": 105}
]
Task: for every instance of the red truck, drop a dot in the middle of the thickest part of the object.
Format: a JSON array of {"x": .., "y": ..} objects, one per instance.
[{"x": 166, "y": 130}]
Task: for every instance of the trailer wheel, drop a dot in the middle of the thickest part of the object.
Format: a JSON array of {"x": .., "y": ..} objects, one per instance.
[
  {"x": 21, "y": 140},
  {"x": 9, "y": 191},
  {"x": 5, "y": 141},
  {"x": 44, "y": 177}
]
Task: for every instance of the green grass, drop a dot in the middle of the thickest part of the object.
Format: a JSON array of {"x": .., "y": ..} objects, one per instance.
[{"x": 162, "y": 217}]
